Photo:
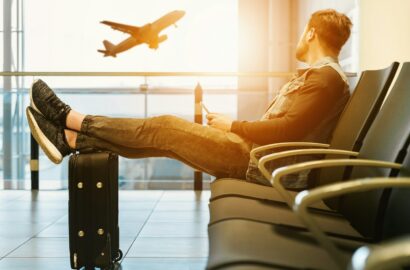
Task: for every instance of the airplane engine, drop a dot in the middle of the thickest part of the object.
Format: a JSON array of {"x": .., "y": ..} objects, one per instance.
[{"x": 154, "y": 43}]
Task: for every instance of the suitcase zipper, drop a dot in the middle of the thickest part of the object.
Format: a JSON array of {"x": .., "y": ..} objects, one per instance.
[
  {"x": 74, "y": 205},
  {"x": 75, "y": 260}
]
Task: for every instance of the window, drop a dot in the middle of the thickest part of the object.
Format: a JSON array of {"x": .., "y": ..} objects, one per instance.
[{"x": 65, "y": 36}]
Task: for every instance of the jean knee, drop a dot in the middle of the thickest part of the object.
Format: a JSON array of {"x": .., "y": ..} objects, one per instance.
[
  {"x": 170, "y": 117},
  {"x": 167, "y": 120}
]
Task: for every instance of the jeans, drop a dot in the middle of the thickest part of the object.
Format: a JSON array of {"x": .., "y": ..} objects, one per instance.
[{"x": 216, "y": 152}]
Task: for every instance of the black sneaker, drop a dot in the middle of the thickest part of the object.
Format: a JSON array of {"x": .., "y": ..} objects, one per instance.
[
  {"x": 51, "y": 138},
  {"x": 45, "y": 101}
]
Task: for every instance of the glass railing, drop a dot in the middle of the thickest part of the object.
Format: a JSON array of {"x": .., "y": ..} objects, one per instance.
[{"x": 120, "y": 94}]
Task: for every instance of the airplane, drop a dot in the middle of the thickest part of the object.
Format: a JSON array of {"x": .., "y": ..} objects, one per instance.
[{"x": 148, "y": 33}]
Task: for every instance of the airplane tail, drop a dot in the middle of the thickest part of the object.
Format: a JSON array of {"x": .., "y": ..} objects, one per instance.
[{"x": 108, "y": 49}]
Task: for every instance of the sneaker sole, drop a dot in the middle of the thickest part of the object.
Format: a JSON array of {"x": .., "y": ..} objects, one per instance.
[
  {"x": 48, "y": 147},
  {"x": 32, "y": 104}
]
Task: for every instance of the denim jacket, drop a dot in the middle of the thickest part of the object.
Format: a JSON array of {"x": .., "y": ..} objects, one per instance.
[{"x": 306, "y": 109}]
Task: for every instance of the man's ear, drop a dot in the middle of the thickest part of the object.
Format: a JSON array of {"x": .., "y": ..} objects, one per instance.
[{"x": 310, "y": 34}]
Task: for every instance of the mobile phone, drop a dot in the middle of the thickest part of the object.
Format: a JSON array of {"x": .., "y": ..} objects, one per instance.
[{"x": 205, "y": 108}]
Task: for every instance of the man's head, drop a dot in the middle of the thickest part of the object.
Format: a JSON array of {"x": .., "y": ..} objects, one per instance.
[{"x": 327, "y": 31}]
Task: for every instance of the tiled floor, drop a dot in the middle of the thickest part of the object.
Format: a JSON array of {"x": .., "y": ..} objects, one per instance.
[{"x": 159, "y": 230}]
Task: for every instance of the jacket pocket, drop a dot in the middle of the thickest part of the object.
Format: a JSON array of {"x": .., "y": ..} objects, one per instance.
[{"x": 281, "y": 106}]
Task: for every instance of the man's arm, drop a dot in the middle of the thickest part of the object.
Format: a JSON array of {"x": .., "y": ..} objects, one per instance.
[{"x": 315, "y": 99}]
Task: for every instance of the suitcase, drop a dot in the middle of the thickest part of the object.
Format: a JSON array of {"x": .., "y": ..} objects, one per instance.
[{"x": 93, "y": 210}]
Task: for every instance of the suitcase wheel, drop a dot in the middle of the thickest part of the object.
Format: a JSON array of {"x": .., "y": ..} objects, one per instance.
[
  {"x": 110, "y": 267},
  {"x": 119, "y": 256}
]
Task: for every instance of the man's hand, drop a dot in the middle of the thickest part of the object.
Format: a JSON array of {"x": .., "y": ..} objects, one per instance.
[{"x": 219, "y": 121}]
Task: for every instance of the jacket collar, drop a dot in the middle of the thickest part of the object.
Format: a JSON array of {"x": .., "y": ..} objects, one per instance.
[
  {"x": 324, "y": 61},
  {"x": 319, "y": 63}
]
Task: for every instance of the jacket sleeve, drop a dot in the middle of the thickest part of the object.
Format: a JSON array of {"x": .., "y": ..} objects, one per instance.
[{"x": 314, "y": 99}]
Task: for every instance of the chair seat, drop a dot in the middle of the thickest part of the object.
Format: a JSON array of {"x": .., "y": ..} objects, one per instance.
[
  {"x": 243, "y": 242},
  {"x": 226, "y": 187},
  {"x": 250, "y": 266},
  {"x": 268, "y": 212}
]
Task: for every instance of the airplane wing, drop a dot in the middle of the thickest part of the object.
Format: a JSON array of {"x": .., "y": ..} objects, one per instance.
[
  {"x": 161, "y": 23},
  {"x": 129, "y": 29},
  {"x": 167, "y": 20}
]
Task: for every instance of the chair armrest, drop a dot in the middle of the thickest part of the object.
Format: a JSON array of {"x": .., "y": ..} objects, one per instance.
[
  {"x": 300, "y": 152},
  {"x": 282, "y": 145},
  {"x": 390, "y": 255},
  {"x": 278, "y": 173},
  {"x": 307, "y": 197}
]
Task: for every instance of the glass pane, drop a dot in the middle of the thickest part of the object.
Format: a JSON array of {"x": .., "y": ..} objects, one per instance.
[
  {"x": 205, "y": 40},
  {"x": 58, "y": 42}
]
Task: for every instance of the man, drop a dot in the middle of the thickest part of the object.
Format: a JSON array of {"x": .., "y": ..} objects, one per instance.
[{"x": 306, "y": 109}]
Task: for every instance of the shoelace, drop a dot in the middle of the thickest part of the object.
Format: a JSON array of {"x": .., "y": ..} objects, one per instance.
[{"x": 56, "y": 103}]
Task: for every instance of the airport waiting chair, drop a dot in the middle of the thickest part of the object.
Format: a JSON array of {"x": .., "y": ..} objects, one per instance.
[
  {"x": 352, "y": 127},
  {"x": 362, "y": 213},
  {"x": 257, "y": 246},
  {"x": 270, "y": 211},
  {"x": 394, "y": 254},
  {"x": 391, "y": 255}
]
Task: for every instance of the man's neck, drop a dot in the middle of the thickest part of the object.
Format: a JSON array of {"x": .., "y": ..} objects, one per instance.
[{"x": 316, "y": 55}]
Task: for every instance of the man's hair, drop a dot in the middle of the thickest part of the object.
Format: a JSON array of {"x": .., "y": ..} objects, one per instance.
[{"x": 332, "y": 27}]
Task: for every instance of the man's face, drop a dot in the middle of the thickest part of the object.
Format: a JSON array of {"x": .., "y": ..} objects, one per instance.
[{"x": 303, "y": 46}]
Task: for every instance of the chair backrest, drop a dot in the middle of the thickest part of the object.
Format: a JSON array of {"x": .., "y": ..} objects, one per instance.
[
  {"x": 387, "y": 140},
  {"x": 357, "y": 117},
  {"x": 362, "y": 108},
  {"x": 396, "y": 220}
]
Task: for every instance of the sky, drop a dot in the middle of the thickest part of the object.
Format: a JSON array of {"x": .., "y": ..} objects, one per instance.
[{"x": 65, "y": 35}]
